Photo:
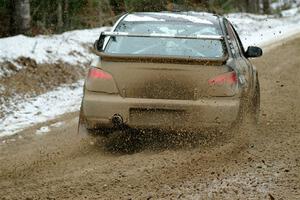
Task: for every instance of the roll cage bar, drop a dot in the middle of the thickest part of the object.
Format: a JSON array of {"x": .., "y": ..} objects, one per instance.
[
  {"x": 99, "y": 44},
  {"x": 157, "y": 35}
]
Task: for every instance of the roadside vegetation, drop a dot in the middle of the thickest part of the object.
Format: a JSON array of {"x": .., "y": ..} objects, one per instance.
[{"x": 33, "y": 17}]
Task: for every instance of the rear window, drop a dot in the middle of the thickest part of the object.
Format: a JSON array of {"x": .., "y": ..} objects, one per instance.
[{"x": 167, "y": 46}]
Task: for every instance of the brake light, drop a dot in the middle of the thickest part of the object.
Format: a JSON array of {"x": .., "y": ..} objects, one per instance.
[
  {"x": 98, "y": 73},
  {"x": 228, "y": 78}
]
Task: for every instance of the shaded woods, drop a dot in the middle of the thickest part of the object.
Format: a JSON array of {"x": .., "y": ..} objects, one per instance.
[{"x": 33, "y": 17}]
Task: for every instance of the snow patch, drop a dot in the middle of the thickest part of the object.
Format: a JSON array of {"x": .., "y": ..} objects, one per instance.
[
  {"x": 70, "y": 47},
  {"x": 43, "y": 130},
  {"x": 57, "y": 124},
  {"x": 290, "y": 13},
  {"x": 21, "y": 114},
  {"x": 279, "y": 4},
  {"x": 260, "y": 30}
]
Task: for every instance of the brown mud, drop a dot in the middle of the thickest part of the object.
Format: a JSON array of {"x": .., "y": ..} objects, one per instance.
[
  {"x": 35, "y": 79},
  {"x": 39, "y": 78},
  {"x": 262, "y": 164}
]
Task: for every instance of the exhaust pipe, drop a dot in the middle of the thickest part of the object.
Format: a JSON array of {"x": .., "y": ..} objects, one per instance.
[{"x": 117, "y": 120}]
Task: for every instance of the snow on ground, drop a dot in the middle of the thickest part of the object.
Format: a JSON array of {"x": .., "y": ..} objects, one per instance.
[
  {"x": 41, "y": 108},
  {"x": 278, "y": 4},
  {"x": 72, "y": 47},
  {"x": 262, "y": 30},
  {"x": 69, "y": 47},
  {"x": 57, "y": 125},
  {"x": 291, "y": 12},
  {"x": 43, "y": 130},
  {"x": 46, "y": 129}
]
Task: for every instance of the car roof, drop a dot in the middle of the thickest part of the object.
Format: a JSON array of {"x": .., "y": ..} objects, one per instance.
[{"x": 181, "y": 17}]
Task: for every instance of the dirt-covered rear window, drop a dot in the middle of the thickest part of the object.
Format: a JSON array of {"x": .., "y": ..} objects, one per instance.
[{"x": 167, "y": 46}]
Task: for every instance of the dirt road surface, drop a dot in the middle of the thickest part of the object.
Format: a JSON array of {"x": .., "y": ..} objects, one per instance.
[{"x": 250, "y": 165}]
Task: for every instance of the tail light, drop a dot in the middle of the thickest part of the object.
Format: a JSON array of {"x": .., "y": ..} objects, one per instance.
[
  {"x": 96, "y": 73},
  {"x": 227, "y": 78}
]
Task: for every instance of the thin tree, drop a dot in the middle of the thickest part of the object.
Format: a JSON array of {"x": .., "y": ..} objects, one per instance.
[
  {"x": 66, "y": 14},
  {"x": 60, "y": 22},
  {"x": 20, "y": 17},
  {"x": 266, "y": 6}
]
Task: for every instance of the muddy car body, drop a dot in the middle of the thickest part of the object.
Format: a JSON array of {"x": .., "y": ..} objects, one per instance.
[{"x": 170, "y": 71}]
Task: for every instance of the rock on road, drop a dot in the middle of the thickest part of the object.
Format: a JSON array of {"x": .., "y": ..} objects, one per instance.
[{"x": 264, "y": 164}]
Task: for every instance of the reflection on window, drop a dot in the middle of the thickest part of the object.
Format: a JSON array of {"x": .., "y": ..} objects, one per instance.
[{"x": 166, "y": 46}]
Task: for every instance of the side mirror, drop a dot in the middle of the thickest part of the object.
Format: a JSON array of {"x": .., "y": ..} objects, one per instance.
[
  {"x": 253, "y": 52},
  {"x": 98, "y": 45}
]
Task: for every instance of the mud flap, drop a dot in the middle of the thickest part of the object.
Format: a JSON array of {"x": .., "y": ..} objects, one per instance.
[{"x": 81, "y": 128}]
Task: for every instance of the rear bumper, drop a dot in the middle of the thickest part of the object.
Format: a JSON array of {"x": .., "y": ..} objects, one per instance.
[{"x": 99, "y": 108}]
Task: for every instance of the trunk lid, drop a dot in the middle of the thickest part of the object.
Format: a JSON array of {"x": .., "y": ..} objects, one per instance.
[{"x": 166, "y": 78}]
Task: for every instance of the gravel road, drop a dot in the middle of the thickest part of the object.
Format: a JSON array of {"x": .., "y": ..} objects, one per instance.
[{"x": 262, "y": 164}]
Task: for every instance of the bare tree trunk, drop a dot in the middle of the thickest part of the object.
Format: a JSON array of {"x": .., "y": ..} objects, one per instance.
[
  {"x": 266, "y": 6},
  {"x": 257, "y": 6},
  {"x": 252, "y": 6},
  {"x": 60, "y": 23},
  {"x": 66, "y": 14},
  {"x": 11, "y": 20},
  {"x": 242, "y": 5},
  {"x": 20, "y": 23}
]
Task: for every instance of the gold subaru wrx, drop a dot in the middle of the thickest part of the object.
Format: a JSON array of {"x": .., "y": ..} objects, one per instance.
[{"x": 170, "y": 71}]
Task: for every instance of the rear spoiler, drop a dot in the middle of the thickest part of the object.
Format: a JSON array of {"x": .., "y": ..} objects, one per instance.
[
  {"x": 98, "y": 50},
  {"x": 160, "y": 59},
  {"x": 102, "y": 41},
  {"x": 158, "y": 35}
]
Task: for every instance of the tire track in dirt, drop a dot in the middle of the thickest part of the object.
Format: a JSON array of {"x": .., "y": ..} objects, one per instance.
[{"x": 248, "y": 165}]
